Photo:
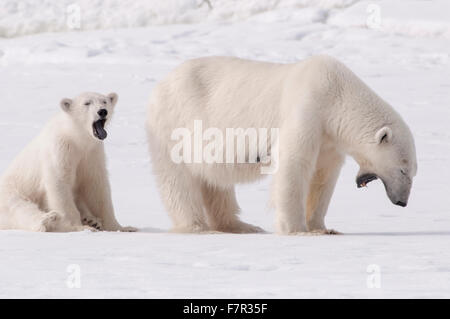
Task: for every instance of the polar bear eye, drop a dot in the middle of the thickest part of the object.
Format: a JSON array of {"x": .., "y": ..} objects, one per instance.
[
  {"x": 104, "y": 102},
  {"x": 87, "y": 103},
  {"x": 403, "y": 172}
]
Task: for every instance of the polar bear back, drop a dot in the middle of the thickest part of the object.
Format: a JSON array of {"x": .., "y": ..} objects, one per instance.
[{"x": 222, "y": 91}]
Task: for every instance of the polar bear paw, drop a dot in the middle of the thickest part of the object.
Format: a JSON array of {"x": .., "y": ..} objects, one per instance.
[
  {"x": 84, "y": 228},
  {"x": 93, "y": 222},
  {"x": 192, "y": 229},
  {"x": 315, "y": 232},
  {"x": 128, "y": 229},
  {"x": 47, "y": 222},
  {"x": 325, "y": 232},
  {"x": 239, "y": 227}
]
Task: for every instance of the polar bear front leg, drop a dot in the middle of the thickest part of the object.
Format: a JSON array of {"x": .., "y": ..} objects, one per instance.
[
  {"x": 290, "y": 196},
  {"x": 297, "y": 161},
  {"x": 321, "y": 191},
  {"x": 95, "y": 193},
  {"x": 87, "y": 218},
  {"x": 98, "y": 201}
]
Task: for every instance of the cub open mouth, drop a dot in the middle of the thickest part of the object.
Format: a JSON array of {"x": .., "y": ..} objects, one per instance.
[
  {"x": 99, "y": 129},
  {"x": 365, "y": 179}
]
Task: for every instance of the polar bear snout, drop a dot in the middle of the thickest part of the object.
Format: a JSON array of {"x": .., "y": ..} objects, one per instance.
[
  {"x": 103, "y": 113},
  {"x": 399, "y": 200},
  {"x": 398, "y": 190}
]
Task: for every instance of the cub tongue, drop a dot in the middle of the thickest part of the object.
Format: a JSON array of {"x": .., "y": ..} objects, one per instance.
[{"x": 99, "y": 128}]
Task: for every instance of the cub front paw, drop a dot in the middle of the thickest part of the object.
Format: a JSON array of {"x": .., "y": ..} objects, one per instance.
[
  {"x": 93, "y": 222},
  {"x": 325, "y": 232}
]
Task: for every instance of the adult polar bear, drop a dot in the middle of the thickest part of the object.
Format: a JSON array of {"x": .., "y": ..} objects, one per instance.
[
  {"x": 59, "y": 181},
  {"x": 323, "y": 112}
]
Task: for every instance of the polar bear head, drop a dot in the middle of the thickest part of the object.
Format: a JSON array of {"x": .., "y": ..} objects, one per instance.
[
  {"x": 390, "y": 156},
  {"x": 91, "y": 112}
]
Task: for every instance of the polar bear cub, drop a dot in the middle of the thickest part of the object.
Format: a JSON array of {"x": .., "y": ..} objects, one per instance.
[
  {"x": 322, "y": 112},
  {"x": 59, "y": 182}
]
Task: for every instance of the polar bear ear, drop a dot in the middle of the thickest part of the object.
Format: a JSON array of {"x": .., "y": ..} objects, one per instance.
[
  {"x": 66, "y": 104},
  {"x": 384, "y": 135},
  {"x": 113, "y": 97}
]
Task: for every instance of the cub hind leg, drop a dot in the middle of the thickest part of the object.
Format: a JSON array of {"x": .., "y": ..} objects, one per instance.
[{"x": 26, "y": 215}]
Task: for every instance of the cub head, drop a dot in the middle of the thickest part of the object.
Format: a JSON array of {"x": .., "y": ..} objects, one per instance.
[
  {"x": 92, "y": 112},
  {"x": 391, "y": 157}
]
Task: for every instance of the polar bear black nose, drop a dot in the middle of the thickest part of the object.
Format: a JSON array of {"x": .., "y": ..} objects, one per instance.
[
  {"x": 400, "y": 203},
  {"x": 103, "y": 113}
]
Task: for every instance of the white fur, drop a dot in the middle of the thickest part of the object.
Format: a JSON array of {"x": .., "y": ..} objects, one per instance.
[
  {"x": 323, "y": 112},
  {"x": 59, "y": 182}
]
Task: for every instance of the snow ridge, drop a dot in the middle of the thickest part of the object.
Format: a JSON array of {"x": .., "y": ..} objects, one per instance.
[{"x": 18, "y": 18}]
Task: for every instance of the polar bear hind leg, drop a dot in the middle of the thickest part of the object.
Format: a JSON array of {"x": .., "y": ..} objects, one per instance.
[
  {"x": 222, "y": 210},
  {"x": 25, "y": 215},
  {"x": 182, "y": 196}
]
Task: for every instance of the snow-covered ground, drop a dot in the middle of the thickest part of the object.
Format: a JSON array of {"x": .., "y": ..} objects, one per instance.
[{"x": 400, "y": 48}]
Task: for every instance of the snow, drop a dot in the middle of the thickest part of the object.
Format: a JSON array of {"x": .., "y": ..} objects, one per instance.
[
  {"x": 31, "y": 16},
  {"x": 404, "y": 58},
  {"x": 411, "y": 18}
]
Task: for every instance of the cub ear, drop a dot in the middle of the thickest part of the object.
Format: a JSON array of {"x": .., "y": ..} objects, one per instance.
[
  {"x": 384, "y": 135},
  {"x": 66, "y": 104},
  {"x": 113, "y": 97}
]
